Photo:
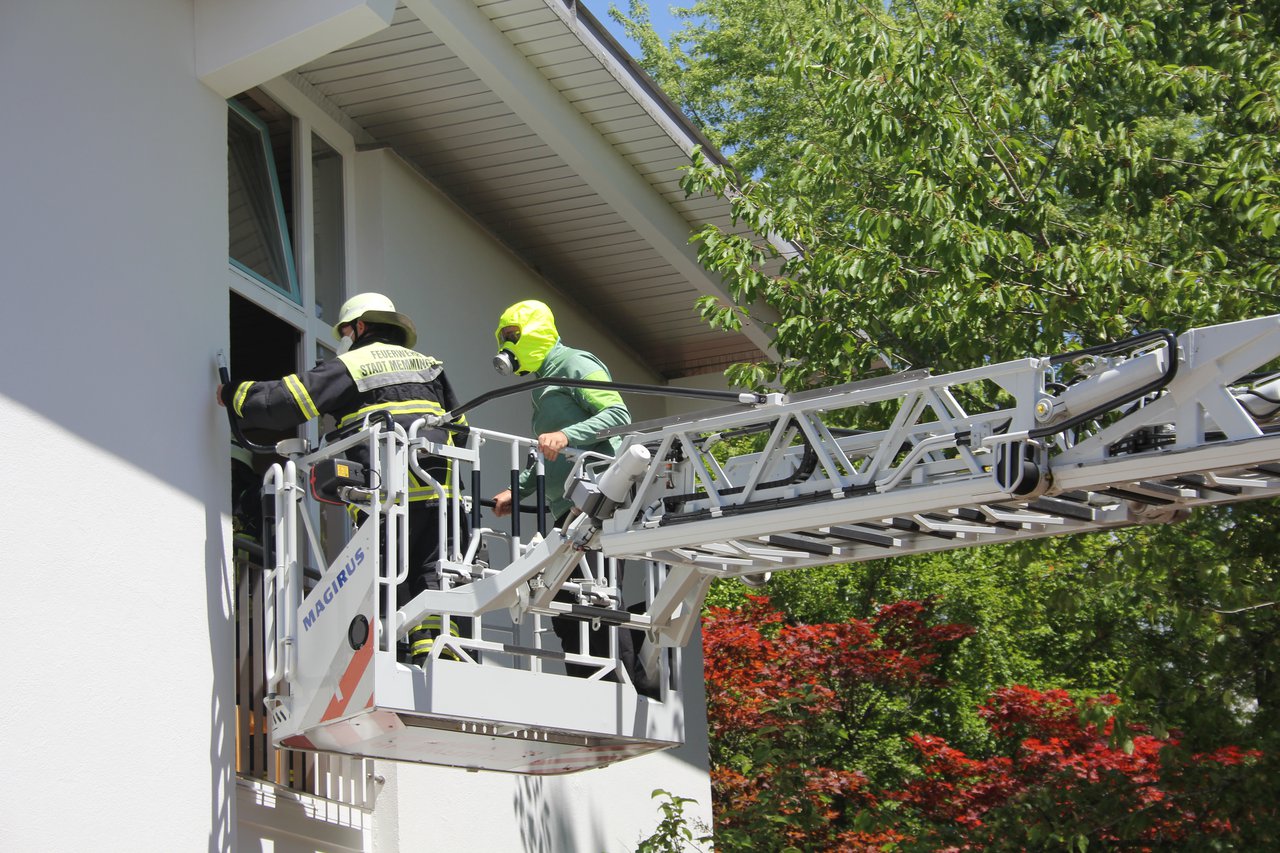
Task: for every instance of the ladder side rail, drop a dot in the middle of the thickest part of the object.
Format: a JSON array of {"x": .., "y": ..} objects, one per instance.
[
  {"x": 1021, "y": 377},
  {"x": 1213, "y": 358},
  {"x": 1118, "y": 514},
  {"x": 764, "y": 463},
  {"x": 842, "y": 468},
  {"x": 767, "y": 460},
  {"x": 695, "y": 460},
  {"x": 1225, "y": 457},
  {"x": 647, "y": 489},
  {"x": 909, "y": 412},
  {"x": 866, "y": 507}
]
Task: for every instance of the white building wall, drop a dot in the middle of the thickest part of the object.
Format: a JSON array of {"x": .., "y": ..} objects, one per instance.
[
  {"x": 455, "y": 280},
  {"x": 117, "y": 724}
]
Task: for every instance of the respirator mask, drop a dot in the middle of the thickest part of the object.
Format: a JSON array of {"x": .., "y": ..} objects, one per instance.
[{"x": 506, "y": 363}]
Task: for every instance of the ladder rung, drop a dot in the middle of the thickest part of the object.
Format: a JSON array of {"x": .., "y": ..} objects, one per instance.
[
  {"x": 915, "y": 527},
  {"x": 1199, "y": 481},
  {"x": 802, "y": 543},
  {"x": 708, "y": 554},
  {"x": 980, "y": 516},
  {"x": 937, "y": 522},
  {"x": 858, "y": 534},
  {"x": 1021, "y": 516},
  {"x": 1141, "y": 497},
  {"x": 1067, "y": 508}
]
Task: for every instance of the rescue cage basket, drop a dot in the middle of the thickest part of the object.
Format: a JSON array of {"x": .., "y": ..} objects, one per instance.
[{"x": 493, "y": 693}]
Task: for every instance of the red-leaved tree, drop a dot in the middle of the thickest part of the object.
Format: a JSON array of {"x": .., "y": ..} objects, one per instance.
[
  {"x": 790, "y": 705},
  {"x": 1062, "y": 782},
  {"x": 818, "y": 743}
]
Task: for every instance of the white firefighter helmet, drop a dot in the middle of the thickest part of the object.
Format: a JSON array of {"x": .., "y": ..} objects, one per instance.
[{"x": 375, "y": 308}]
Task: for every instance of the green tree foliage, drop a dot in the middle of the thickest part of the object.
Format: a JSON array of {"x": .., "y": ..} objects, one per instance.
[
  {"x": 968, "y": 181},
  {"x": 976, "y": 181}
]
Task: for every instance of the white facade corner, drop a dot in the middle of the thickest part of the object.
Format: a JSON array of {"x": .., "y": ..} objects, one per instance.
[{"x": 242, "y": 43}]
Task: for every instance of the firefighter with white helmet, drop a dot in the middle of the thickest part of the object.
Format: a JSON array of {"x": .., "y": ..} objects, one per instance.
[{"x": 376, "y": 370}]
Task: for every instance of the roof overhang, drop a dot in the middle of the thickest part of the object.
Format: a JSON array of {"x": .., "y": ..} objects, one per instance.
[{"x": 538, "y": 125}]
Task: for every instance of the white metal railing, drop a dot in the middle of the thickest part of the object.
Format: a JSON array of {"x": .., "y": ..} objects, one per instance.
[
  {"x": 340, "y": 778},
  {"x": 489, "y": 613}
]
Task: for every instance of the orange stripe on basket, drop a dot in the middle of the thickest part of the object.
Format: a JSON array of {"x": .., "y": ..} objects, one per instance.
[{"x": 347, "y": 685}]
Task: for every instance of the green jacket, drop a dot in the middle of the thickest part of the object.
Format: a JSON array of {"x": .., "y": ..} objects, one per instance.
[{"x": 580, "y": 413}]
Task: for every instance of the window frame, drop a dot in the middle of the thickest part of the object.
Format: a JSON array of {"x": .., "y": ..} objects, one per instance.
[
  {"x": 293, "y": 292},
  {"x": 339, "y": 779}
]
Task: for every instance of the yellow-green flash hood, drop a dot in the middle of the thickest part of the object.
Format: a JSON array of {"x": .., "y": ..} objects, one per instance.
[{"x": 537, "y": 333}]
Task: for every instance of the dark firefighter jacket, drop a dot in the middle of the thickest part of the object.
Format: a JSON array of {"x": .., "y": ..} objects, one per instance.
[{"x": 373, "y": 376}]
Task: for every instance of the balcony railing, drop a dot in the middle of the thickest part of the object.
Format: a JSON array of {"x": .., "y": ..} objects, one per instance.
[{"x": 339, "y": 778}]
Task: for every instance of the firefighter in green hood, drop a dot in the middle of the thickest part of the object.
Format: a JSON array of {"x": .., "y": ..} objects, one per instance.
[
  {"x": 562, "y": 417},
  {"x": 528, "y": 343}
]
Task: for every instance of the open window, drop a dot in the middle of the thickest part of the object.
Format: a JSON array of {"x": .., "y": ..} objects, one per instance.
[
  {"x": 259, "y": 243},
  {"x": 287, "y": 271}
]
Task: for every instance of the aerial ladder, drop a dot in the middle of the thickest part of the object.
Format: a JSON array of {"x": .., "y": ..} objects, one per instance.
[{"x": 1139, "y": 431}]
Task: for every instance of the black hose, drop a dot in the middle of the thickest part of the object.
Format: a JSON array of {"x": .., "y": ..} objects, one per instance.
[
  {"x": 621, "y": 387},
  {"x": 225, "y": 376}
]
